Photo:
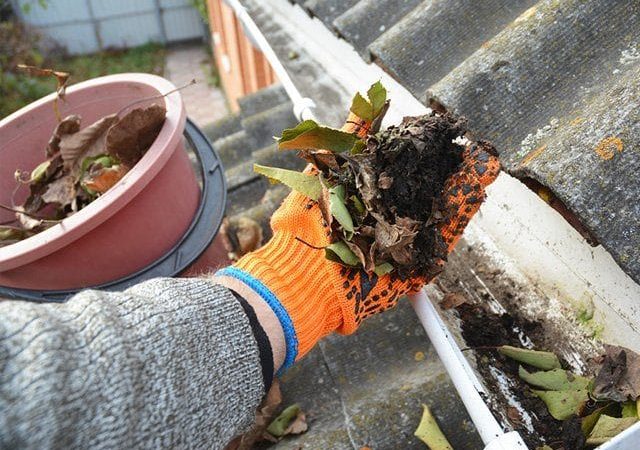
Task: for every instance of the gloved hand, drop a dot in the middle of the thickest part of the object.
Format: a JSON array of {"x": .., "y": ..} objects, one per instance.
[{"x": 312, "y": 296}]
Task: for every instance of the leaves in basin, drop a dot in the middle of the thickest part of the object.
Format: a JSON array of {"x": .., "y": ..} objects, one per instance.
[
  {"x": 131, "y": 136},
  {"x": 9, "y": 235},
  {"x": 80, "y": 165},
  {"x": 308, "y": 135},
  {"x": 308, "y": 185},
  {"x": 430, "y": 433},
  {"x": 535, "y": 358},
  {"x": 75, "y": 146}
]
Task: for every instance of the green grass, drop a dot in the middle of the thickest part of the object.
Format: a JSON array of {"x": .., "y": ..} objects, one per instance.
[{"x": 18, "y": 89}]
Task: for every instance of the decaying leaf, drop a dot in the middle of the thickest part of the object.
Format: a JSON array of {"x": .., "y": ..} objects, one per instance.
[
  {"x": 383, "y": 269},
  {"x": 554, "y": 380},
  {"x": 39, "y": 172},
  {"x": 563, "y": 404},
  {"x": 341, "y": 253},
  {"x": 308, "y": 135},
  {"x": 308, "y": 185},
  {"x": 77, "y": 145},
  {"x": 619, "y": 376},
  {"x": 9, "y": 235},
  {"x": 629, "y": 409},
  {"x": 452, "y": 300},
  {"x": 69, "y": 125},
  {"x": 535, "y": 358},
  {"x": 101, "y": 179},
  {"x": 395, "y": 240},
  {"x": 608, "y": 427},
  {"x": 61, "y": 191},
  {"x": 285, "y": 423},
  {"x": 26, "y": 221},
  {"x": 429, "y": 432},
  {"x": 339, "y": 209},
  {"x": 131, "y": 136}
]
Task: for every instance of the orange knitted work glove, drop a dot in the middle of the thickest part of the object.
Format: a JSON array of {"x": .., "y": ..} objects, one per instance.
[{"x": 313, "y": 296}]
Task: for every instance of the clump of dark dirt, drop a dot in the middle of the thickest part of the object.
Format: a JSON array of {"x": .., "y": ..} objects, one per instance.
[
  {"x": 484, "y": 331},
  {"x": 419, "y": 156}
]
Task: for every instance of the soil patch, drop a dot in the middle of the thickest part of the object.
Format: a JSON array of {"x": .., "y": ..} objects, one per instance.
[{"x": 483, "y": 330}]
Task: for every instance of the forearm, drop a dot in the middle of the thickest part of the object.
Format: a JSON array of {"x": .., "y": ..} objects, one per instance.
[{"x": 167, "y": 363}]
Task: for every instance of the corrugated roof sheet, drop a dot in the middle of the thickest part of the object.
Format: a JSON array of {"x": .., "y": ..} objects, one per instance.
[{"x": 554, "y": 84}]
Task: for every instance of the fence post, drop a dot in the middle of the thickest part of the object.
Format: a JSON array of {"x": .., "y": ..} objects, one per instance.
[
  {"x": 163, "y": 30},
  {"x": 96, "y": 24}
]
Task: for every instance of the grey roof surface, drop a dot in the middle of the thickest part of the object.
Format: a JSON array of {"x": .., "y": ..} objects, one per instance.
[
  {"x": 554, "y": 84},
  {"x": 246, "y": 138}
]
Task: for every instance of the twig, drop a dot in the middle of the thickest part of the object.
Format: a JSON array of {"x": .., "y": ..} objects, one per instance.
[
  {"x": 33, "y": 216},
  {"x": 146, "y": 99},
  {"x": 308, "y": 245},
  {"x": 487, "y": 347}
]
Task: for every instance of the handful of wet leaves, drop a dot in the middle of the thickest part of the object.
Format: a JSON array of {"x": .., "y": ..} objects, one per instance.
[
  {"x": 80, "y": 165},
  {"x": 379, "y": 192}
]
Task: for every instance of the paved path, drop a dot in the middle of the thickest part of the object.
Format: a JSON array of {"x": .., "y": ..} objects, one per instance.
[{"x": 205, "y": 104}]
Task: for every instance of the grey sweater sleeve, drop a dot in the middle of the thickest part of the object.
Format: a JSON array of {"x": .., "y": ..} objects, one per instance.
[{"x": 169, "y": 363}]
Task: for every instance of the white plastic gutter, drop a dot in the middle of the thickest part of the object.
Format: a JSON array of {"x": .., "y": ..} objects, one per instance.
[
  {"x": 301, "y": 105},
  {"x": 461, "y": 374}
]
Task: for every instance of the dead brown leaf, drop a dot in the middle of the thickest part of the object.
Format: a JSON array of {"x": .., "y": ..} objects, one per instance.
[
  {"x": 69, "y": 125},
  {"x": 61, "y": 191},
  {"x": 384, "y": 181},
  {"x": 452, "y": 300},
  {"x": 27, "y": 222},
  {"x": 101, "y": 179},
  {"x": 619, "y": 376},
  {"x": 86, "y": 142},
  {"x": 133, "y": 134},
  {"x": 395, "y": 239},
  {"x": 299, "y": 424}
]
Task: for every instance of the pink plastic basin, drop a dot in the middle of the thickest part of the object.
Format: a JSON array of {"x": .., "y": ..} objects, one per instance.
[{"x": 137, "y": 221}]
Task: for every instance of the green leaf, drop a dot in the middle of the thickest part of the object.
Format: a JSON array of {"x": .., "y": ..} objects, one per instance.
[
  {"x": 430, "y": 433},
  {"x": 339, "y": 252},
  {"x": 377, "y": 96},
  {"x": 308, "y": 135},
  {"x": 358, "y": 147},
  {"x": 39, "y": 171},
  {"x": 383, "y": 269},
  {"x": 338, "y": 208},
  {"x": 357, "y": 203},
  {"x": 608, "y": 427},
  {"x": 630, "y": 409},
  {"x": 11, "y": 234},
  {"x": 361, "y": 107},
  {"x": 563, "y": 404},
  {"x": 103, "y": 160},
  {"x": 308, "y": 185},
  {"x": 280, "y": 423},
  {"x": 554, "y": 380},
  {"x": 540, "y": 360}
]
